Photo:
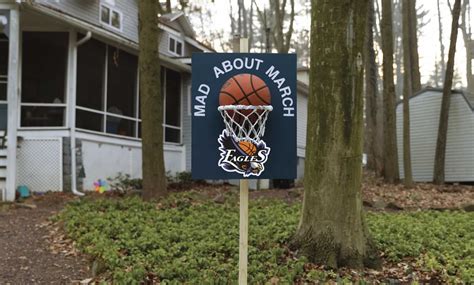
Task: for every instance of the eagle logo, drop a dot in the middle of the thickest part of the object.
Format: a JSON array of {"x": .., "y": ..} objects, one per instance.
[{"x": 246, "y": 157}]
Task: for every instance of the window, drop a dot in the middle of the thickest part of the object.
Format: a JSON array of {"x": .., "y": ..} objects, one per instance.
[
  {"x": 3, "y": 67},
  {"x": 44, "y": 79},
  {"x": 172, "y": 103},
  {"x": 472, "y": 68},
  {"x": 110, "y": 17},
  {"x": 106, "y": 89},
  {"x": 175, "y": 46},
  {"x": 3, "y": 80}
]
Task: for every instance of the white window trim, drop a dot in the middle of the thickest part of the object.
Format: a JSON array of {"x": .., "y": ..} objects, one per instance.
[
  {"x": 109, "y": 25},
  {"x": 177, "y": 40}
]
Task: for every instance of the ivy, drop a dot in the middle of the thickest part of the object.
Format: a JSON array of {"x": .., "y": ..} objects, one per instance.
[{"x": 181, "y": 241}]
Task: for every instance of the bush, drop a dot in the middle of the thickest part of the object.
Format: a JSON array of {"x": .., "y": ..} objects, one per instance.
[
  {"x": 123, "y": 183},
  {"x": 197, "y": 243}
]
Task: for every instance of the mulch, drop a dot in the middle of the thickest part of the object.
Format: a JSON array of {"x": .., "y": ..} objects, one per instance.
[{"x": 27, "y": 256}]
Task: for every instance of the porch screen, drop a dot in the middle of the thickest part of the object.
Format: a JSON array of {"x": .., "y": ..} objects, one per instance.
[
  {"x": 3, "y": 67},
  {"x": 44, "y": 65},
  {"x": 107, "y": 89}
]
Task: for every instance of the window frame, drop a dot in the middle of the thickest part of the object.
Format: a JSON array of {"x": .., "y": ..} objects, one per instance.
[
  {"x": 111, "y": 11},
  {"x": 104, "y": 113},
  {"x": 180, "y": 128},
  {"x": 176, "y": 41},
  {"x": 63, "y": 105},
  {"x": 4, "y": 77}
]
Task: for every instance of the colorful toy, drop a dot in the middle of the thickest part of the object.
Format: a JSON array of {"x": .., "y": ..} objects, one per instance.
[{"x": 101, "y": 186}]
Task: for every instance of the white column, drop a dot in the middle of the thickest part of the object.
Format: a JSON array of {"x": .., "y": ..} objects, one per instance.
[{"x": 13, "y": 92}]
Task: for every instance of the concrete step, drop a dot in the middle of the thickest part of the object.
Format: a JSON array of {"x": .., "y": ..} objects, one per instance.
[
  {"x": 3, "y": 172},
  {"x": 3, "y": 153},
  {"x": 3, "y": 163}
]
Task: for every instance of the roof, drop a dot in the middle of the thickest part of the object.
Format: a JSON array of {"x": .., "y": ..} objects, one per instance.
[
  {"x": 166, "y": 22},
  {"x": 466, "y": 95},
  {"x": 182, "y": 20}
]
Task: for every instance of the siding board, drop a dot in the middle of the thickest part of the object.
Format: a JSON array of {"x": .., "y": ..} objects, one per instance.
[{"x": 424, "y": 120}]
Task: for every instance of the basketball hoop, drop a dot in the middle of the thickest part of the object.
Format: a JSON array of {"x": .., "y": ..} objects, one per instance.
[{"x": 245, "y": 122}]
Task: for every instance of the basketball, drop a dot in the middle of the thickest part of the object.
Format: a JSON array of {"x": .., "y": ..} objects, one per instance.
[
  {"x": 245, "y": 89},
  {"x": 248, "y": 147}
]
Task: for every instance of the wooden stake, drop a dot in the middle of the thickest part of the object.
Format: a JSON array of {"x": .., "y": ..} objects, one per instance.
[
  {"x": 242, "y": 45},
  {"x": 244, "y": 230}
]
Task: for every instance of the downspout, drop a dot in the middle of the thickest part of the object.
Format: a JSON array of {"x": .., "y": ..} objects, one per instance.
[{"x": 73, "y": 123}]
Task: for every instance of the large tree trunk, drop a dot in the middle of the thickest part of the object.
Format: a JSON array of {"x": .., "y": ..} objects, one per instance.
[
  {"x": 332, "y": 229},
  {"x": 407, "y": 92},
  {"x": 438, "y": 174},
  {"x": 390, "y": 160},
  {"x": 372, "y": 144},
  {"x": 154, "y": 178}
]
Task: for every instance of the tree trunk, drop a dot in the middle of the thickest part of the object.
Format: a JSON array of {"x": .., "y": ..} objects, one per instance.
[
  {"x": 438, "y": 174},
  {"x": 281, "y": 39},
  {"x": 390, "y": 156},
  {"x": 415, "y": 66},
  {"x": 398, "y": 45},
  {"x": 407, "y": 93},
  {"x": 370, "y": 95},
  {"x": 441, "y": 44},
  {"x": 154, "y": 178},
  {"x": 466, "y": 34},
  {"x": 332, "y": 228}
]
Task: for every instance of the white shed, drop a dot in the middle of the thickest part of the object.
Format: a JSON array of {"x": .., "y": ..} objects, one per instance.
[{"x": 425, "y": 109}]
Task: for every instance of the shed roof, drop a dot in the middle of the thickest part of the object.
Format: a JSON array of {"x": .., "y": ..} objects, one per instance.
[{"x": 469, "y": 97}]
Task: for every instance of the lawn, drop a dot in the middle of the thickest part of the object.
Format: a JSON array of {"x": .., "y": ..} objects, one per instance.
[{"x": 185, "y": 239}]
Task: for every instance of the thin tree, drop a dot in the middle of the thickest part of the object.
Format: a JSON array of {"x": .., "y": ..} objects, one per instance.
[
  {"x": 466, "y": 35},
  {"x": 413, "y": 42},
  {"x": 438, "y": 174},
  {"x": 390, "y": 157},
  {"x": 441, "y": 44},
  {"x": 372, "y": 145},
  {"x": 154, "y": 178},
  {"x": 281, "y": 39},
  {"x": 332, "y": 229},
  {"x": 407, "y": 93}
]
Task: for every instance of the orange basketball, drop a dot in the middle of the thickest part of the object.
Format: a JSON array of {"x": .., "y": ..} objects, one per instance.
[
  {"x": 245, "y": 89},
  {"x": 248, "y": 147}
]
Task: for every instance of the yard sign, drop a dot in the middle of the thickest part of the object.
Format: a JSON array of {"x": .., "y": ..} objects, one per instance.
[{"x": 253, "y": 134}]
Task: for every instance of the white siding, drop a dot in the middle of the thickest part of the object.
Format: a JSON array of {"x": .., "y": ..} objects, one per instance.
[
  {"x": 424, "y": 120},
  {"x": 187, "y": 120},
  {"x": 88, "y": 11},
  {"x": 301, "y": 120},
  {"x": 102, "y": 160}
]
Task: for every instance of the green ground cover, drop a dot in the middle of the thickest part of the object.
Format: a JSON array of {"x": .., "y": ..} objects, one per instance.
[{"x": 182, "y": 240}]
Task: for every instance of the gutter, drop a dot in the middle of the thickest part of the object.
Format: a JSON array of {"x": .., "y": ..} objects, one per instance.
[{"x": 73, "y": 124}]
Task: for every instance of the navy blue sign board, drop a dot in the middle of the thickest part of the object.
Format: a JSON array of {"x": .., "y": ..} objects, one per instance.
[{"x": 220, "y": 79}]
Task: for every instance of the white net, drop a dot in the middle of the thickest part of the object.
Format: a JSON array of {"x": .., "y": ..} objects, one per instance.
[{"x": 245, "y": 122}]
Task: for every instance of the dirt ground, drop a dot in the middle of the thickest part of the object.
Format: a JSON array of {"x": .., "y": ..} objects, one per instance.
[
  {"x": 32, "y": 250},
  {"x": 26, "y": 255}
]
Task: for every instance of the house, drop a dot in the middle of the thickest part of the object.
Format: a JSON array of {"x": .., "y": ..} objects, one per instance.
[
  {"x": 69, "y": 98},
  {"x": 425, "y": 109}
]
